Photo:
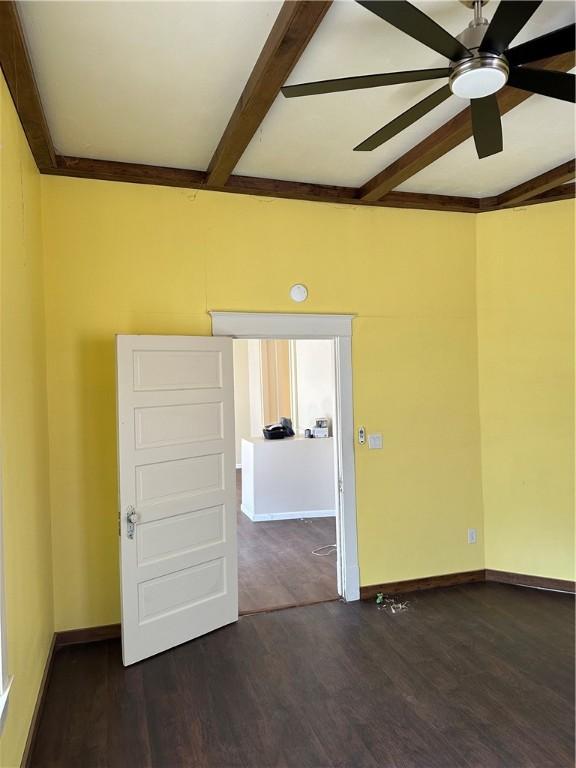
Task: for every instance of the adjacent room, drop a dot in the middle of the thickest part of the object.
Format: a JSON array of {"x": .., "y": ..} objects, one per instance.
[
  {"x": 287, "y": 381},
  {"x": 286, "y": 472}
]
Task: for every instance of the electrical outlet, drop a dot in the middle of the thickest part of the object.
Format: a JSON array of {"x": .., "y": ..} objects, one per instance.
[{"x": 471, "y": 535}]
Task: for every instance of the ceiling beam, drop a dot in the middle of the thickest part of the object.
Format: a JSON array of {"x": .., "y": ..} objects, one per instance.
[
  {"x": 546, "y": 188},
  {"x": 563, "y": 192},
  {"x": 498, "y": 202},
  {"x": 449, "y": 136},
  {"x": 280, "y": 51},
  {"x": 17, "y": 68},
  {"x": 539, "y": 184},
  {"x": 134, "y": 173},
  {"x": 291, "y": 33}
]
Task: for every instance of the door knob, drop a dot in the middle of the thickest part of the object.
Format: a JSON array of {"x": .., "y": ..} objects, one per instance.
[{"x": 132, "y": 519}]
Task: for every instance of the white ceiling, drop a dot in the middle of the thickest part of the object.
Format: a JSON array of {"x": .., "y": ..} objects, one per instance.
[
  {"x": 143, "y": 82},
  {"x": 156, "y": 82}
]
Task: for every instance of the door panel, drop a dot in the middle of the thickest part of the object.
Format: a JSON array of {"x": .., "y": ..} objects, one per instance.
[
  {"x": 178, "y": 479},
  {"x": 177, "y": 474},
  {"x": 179, "y": 534},
  {"x": 159, "y": 369},
  {"x": 180, "y": 590},
  {"x": 160, "y": 426}
]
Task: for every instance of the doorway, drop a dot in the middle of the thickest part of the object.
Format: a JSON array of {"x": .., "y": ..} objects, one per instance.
[
  {"x": 337, "y": 329},
  {"x": 286, "y": 475},
  {"x": 176, "y": 459}
]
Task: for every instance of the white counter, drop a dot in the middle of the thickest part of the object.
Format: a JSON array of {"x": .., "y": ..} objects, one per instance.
[{"x": 288, "y": 479}]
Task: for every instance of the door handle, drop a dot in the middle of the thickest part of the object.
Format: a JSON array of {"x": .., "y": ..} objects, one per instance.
[{"x": 131, "y": 519}]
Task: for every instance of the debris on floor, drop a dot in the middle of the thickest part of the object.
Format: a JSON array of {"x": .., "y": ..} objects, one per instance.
[{"x": 391, "y": 604}]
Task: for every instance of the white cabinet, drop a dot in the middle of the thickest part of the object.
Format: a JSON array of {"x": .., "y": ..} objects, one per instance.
[{"x": 288, "y": 479}]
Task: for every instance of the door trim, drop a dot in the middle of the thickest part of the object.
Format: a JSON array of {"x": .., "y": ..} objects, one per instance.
[
  {"x": 267, "y": 325},
  {"x": 280, "y": 325}
]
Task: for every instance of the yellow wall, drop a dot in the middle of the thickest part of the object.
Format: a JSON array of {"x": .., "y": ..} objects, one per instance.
[
  {"x": 526, "y": 365},
  {"x": 452, "y": 311},
  {"x": 25, "y": 494},
  {"x": 123, "y": 258},
  {"x": 463, "y": 353}
]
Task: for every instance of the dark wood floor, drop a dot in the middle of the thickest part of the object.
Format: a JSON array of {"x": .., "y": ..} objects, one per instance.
[
  {"x": 276, "y": 567},
  {"x": 480, "y": 676}
]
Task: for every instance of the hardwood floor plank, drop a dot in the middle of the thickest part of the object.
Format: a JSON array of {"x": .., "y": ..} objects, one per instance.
[
  {"x": 128, "y": 739},
  {"x": 474, "y": 676},
  {"x": 276, "y": 567}
]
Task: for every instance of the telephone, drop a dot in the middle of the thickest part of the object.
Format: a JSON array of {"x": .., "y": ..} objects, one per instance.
[{"x": 280, "y": 430}]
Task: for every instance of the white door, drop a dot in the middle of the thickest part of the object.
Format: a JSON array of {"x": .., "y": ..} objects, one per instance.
[{"x": 177, "y": 490}]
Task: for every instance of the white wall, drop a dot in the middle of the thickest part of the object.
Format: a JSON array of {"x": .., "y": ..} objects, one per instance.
[
  {"x": 241, "y": 394},
  {"x": 313, "y": 376},
  {"x": 247, "y": 391},
  {"x": 312, "y": 363},
  {"x": 255, "y": 387}
]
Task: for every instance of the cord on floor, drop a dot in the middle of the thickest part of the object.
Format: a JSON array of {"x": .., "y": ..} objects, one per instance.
[{"x": 332, "y": 548}]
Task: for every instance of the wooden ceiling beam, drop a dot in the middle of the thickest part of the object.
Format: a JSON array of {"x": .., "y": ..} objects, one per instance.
[
  {"x": 538, "y": 185},
  {"x": 134, "y": 173},
  {"x": 563, "y": 192},
  {"x": 291, "y": 33},
  {"x": 449, "y": 136},
  {"x": 293, "y": 28},
  {"x": 17, "y": 69}
]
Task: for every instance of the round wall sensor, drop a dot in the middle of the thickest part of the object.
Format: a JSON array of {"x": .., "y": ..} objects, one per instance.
[{"x": 298, "y": 292}]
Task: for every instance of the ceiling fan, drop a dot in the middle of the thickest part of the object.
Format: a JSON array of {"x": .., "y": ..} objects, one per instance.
[{"x": 481, "y": 63}]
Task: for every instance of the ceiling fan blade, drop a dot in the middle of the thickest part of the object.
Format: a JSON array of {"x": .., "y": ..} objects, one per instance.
[
  {"x": 364, "y": 81},
  {"x": 510, "y": 17},
  {"x": 404, "y": 120},
  {"x": 560, "y": 41},
  {"x": 409, "y": 19},
  {"x": 557, "y": 85},
  {"x": 486, "y": 125}
]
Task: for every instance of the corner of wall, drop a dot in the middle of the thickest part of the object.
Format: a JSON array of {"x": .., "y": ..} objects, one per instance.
[
  {"x": 477, "y": 267},
  {"x": 525, "y": 311},
  {"x": 44, "y": 265},
  {"x": 27, "y": 556}
]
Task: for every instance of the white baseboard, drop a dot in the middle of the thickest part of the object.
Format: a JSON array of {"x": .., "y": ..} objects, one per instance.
[
  {"x": 238, "y": 466},
  {"x": 299, "y": 515}
]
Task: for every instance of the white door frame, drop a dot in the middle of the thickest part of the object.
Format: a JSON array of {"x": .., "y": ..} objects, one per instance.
[{"x": 264, "y": 325}]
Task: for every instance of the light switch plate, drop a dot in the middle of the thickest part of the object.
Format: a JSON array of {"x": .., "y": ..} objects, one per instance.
[{"x": 375, "y": 441}]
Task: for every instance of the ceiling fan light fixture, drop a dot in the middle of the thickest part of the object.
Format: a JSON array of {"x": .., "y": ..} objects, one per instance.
[{"x": 480, "y": 76}]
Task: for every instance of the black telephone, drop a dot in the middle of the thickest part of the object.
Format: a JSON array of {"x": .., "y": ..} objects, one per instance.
[{"x": 279, "y": 431}]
